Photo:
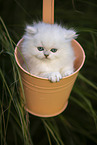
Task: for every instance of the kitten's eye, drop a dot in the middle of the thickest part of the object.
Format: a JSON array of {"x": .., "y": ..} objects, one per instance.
[
  {"x": 40, "y": 48},
  {"x": 53, "y": 50}
]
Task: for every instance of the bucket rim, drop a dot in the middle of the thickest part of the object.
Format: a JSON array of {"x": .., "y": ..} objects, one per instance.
[{"x": 25, "y": 71}]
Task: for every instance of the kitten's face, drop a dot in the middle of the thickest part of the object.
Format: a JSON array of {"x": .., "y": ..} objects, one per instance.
[
  {"x": 42, "y": 51},
  {"x": 45, "y": 41},
  {"x": 39, "y": 47}
]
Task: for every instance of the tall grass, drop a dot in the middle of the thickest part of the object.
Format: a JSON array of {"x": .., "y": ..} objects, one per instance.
[
  {"x": 10, "y": 90},
  {"x": 77, "y": 125}
]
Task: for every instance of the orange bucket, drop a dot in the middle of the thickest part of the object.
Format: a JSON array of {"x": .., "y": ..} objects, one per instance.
[{"x": 43, "y": 98}]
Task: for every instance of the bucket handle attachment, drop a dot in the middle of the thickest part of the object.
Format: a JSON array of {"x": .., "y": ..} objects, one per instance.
[{"x": 48, "y": 11}]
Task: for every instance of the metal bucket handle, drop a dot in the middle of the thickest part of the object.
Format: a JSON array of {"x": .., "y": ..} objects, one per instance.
[{"x": 48, "y": 11}]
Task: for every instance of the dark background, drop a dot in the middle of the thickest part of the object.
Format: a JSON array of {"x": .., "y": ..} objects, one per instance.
[{"x": 72, "y": 13}]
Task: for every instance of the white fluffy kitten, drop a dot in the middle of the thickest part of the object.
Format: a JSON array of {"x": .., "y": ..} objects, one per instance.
[{"x": 47, "y": 50}]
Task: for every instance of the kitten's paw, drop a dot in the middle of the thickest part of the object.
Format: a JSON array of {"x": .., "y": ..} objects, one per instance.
[
  {"x": 67, "y": 73},
  {"x": 55, "y": 77}
]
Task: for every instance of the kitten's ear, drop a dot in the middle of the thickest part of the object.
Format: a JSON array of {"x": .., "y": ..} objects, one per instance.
[
  {"x": 31, "y": 30},
  {"x": 70, "y": 34}
]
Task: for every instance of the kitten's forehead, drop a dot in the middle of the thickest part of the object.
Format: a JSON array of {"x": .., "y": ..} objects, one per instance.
[
  {"x": 48, "y": 41},
  {"x": 49, "y": 36},
  {"x": 48, "y": 45}
]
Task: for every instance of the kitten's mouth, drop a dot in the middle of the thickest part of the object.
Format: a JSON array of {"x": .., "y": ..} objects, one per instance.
[
  {"x": 43, "y": 58},
  {"x": 46, "y": 58}
]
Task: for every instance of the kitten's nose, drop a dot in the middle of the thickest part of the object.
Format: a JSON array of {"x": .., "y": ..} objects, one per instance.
[{"x": 46, "y": 55}]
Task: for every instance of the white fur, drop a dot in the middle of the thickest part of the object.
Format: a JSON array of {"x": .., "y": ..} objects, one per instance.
[{"x": 48, "y": 36}]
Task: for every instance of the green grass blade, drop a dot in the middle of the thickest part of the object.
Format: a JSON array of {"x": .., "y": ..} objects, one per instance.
[{"x": 87, "y": 81}]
